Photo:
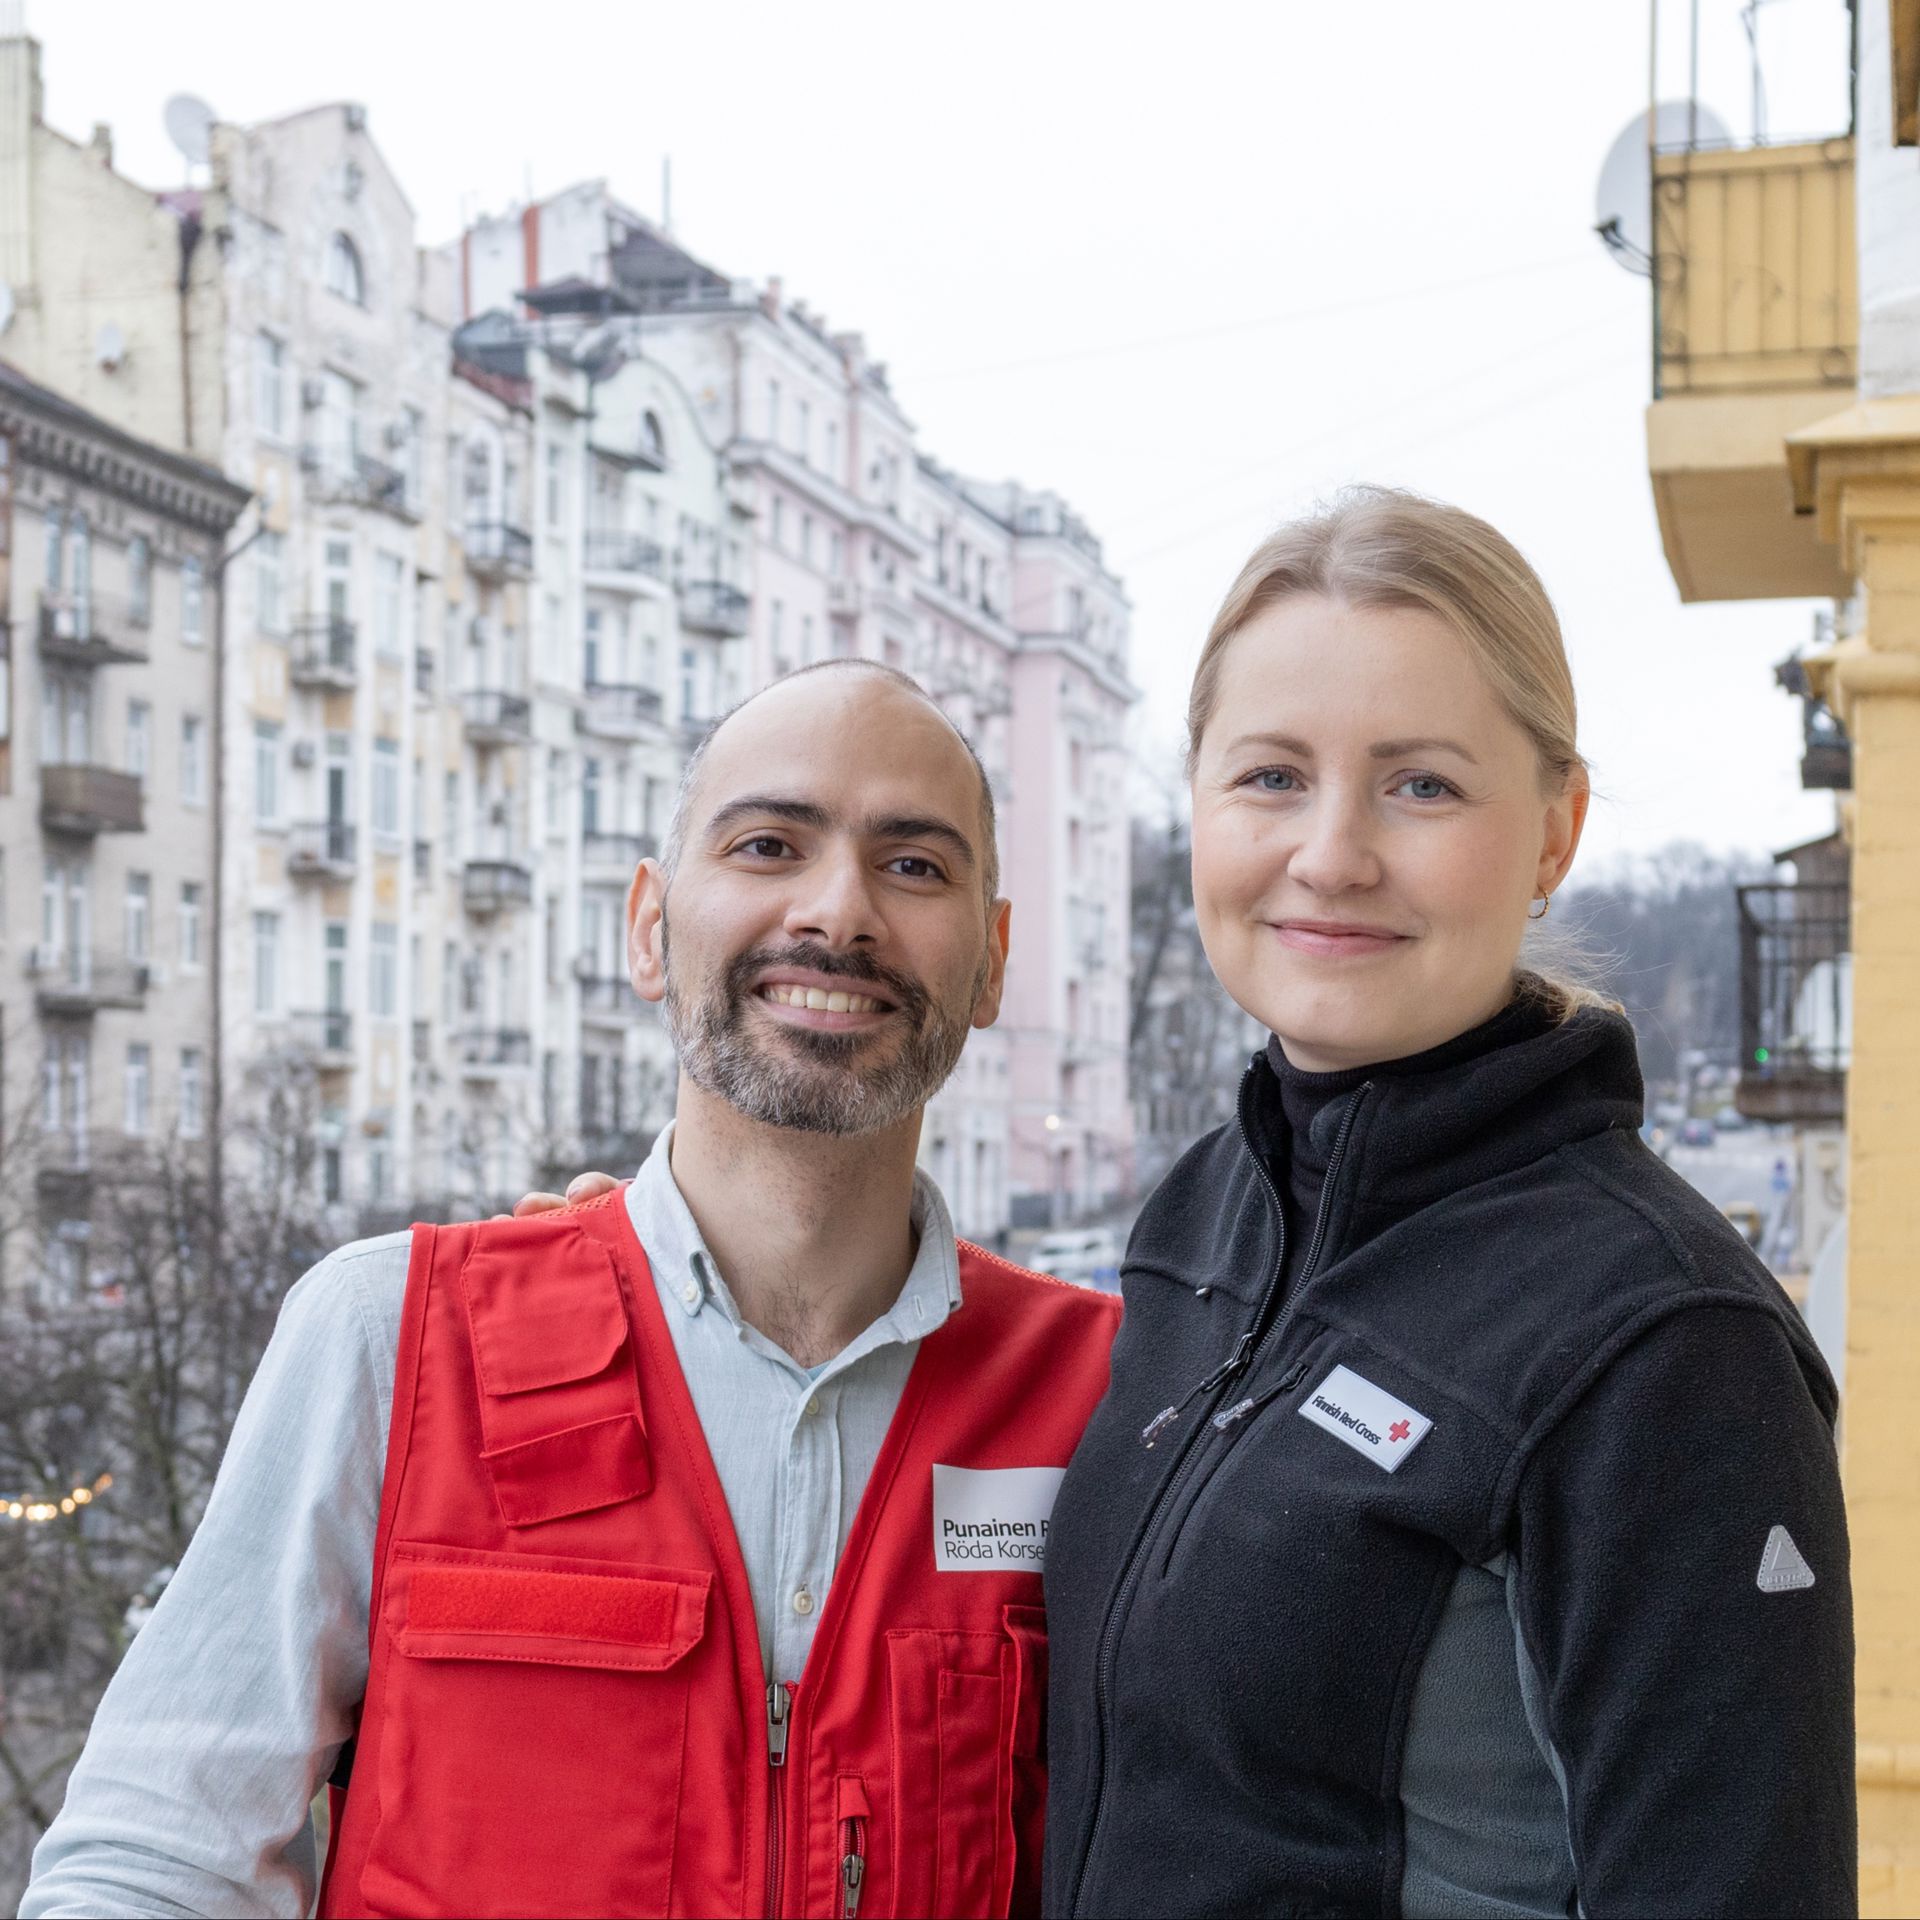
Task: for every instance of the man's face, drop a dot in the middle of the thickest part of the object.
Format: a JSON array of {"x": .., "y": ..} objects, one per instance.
[{"x": 826, "y": 942}]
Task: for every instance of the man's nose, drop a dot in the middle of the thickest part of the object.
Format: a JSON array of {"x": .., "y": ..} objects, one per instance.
[
  {"x": 834, "y": 903},
  {"x": 1336, "y": 853}
]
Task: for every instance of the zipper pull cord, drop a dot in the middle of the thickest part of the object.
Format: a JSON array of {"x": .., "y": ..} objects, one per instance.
[
  {"x": 1241, "y": 1409},
  {"x": 778, "y": 1706},
  {"x": 1232, "y": 1364}
]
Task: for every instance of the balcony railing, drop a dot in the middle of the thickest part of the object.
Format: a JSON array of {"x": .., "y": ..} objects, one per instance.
[
  {"x": 326, "y": 654},
  {"x": 490, "y": 1050},
  {"x": 495, "y": 718},
  {"x": 327, "y": 1034},
  {"x": 611, "y": 552},
  {"x": 81, "y": 981},
  {"x": 361, "y": 480},
  {"x": 712, "y": 606},
  {"x": 1754, "y": 282},
  {"x": 609, "y": 999},
  {"x": 90, "y": 630},
  {"x": 1796, "y": 1000},
  {"x": 486, "y": 886},
  {"x": 616, "y": 852},
  {"x": 89, "y": 800},
  {"x": 321, "y": 850},
  {"x": 493, "y": 547},
  {"x": 423, "y": 672},
  {"x": 622, "y": 712}
]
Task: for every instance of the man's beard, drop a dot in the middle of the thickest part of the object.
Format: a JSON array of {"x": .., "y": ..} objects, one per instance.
[{"x": 808, "y": 1081}]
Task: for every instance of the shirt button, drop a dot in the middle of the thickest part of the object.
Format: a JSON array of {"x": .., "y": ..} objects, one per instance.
[
  {"x": 803, "y": 1601},
  {"x": 690, "y": 1293},
  {"x": 811, "y": 1409}
]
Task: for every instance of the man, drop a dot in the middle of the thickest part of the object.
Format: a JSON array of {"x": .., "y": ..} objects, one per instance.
[{"x": 703, "y": 1571}]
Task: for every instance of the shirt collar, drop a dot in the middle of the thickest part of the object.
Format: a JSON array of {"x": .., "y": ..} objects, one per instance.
[{"x": 687, "y": 1277}]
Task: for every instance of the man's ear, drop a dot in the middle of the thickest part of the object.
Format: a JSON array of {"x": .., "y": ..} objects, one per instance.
[
  {"x": 647, "y": 931},
  {"x": 986, "y": 1009}
]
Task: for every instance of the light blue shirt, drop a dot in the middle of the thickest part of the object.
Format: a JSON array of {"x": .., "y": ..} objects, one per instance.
[{"x": 232, "y": 1703}]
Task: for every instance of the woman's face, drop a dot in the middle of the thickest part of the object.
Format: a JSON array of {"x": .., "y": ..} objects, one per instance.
[{"x": 1369, "y": 828}]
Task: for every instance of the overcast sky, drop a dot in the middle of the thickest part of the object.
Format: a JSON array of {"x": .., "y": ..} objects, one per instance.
[{"x": 1193, "y": 265}]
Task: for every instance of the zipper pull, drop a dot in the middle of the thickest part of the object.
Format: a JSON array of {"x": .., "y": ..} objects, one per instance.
[
  {"x": 853, "y": 1870},
  {"x": 1241, "y": 1408},
  {"x": 1232, "y": 1364},
  {"x": 778, "y": 1707}
]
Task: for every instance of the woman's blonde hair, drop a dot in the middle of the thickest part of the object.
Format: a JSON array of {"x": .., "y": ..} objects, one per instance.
[{"x": 1382, "y": 547}]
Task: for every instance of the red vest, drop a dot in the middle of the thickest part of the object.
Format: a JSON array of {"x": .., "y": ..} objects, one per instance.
[{"x": 566, "y": 1712}]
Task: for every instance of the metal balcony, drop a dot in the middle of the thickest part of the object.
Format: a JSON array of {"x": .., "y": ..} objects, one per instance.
[
  {"x": 321, "y": 850},
  {"x": 91, "y": 630},
  {"x": 487, "y": 886},
  {"x": 712, "y": 606},
  {"x": 423, "y": 672},
  {"x": 495, "y": 718},
  {"x": 90, "y": 800},
  {"x": 327, "y": 1036},
  {"x": 619, "y": 712},
  {"x": 1796, "y": 1000},
  {"x": 362, "y": 481},
  {"x": 487, "y": 1052},
  {"x": 608, "y": 1000},
  {"x": 326, "y": 654},
  {"x": 615, "y": 854},
  {"x": 494, "y": 548},
  {"x": 624, "y": 553},
  {"x": 82, "y": 982}
]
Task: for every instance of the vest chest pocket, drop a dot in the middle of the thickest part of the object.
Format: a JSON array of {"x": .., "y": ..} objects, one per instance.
[
  {"x": 969, "y": 1786},
  {"x": 530, "y": 1714}
]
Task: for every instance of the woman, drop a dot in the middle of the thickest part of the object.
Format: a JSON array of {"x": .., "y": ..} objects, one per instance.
[{"x": 1461, "y": 1532}]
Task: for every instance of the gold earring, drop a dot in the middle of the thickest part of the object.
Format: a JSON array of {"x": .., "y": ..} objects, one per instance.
[{"x": 1546, "y": 901}]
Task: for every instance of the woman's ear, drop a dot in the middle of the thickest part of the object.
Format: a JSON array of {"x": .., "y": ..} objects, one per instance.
[{"x": 1566, "y": 820}]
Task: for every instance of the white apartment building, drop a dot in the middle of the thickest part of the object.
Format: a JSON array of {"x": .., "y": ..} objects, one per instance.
[
  {"x": 109, "y": 824},
  {"x": 996, "y": 598}
]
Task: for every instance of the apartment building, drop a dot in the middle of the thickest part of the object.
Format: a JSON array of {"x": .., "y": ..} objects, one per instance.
[
  {"x": 110, "y": 830},
  {"x": 996, "y": 597}
]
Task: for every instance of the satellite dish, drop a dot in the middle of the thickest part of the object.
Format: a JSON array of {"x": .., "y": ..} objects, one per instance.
[
  {"x": 6, "y": 306},
  {"x": 109, "y": 345},
  {"x": 1623, "y": 202},
  {"x": 190, "y": 127}
]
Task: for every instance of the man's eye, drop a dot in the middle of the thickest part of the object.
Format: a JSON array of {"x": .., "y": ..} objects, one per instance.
[
  {"x": 764, "y": 846},
  {"x": 916, "y": 868}
]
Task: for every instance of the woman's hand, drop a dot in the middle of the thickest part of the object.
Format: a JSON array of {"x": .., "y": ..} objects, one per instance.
[{"x": 583, "y": 1186}]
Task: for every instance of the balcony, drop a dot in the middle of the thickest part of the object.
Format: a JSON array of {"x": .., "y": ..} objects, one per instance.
[
  {"x": 624, "y": 555},
  {"x": 359, "y": 480},
  {"x": 90, "y": 800},
  {"x": 423, "y": 673},
  {"x": 90, "y": 631},
  {"x": 608, "y": 1000},
  {"x": 497, "y": 719},
  {"x": 712, "y": 606},
  {"x": 321, "y": 850},
  {"x": 1756, "y": 331},
  {"x": 487, "y": 886},
  {"x": 81, "y": 982},
  {"x": 1796, "y": 1001},
  {"x": 615, "y": 855},
  {"x": 496, "y": 550},
  {"x": 488, "y": 1052},
  {"x": 619, "y": 712},
  {"x": 326, "y": 1037},
  {"x": 326, "y": 655}
]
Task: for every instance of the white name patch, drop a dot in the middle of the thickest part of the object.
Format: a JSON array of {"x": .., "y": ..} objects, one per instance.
[
  {"x": 995, "y": 1517},
  {"x": 1368, "y": 1418}
]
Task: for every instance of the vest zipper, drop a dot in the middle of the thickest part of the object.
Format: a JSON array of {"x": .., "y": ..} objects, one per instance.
[
  {"x": 853, "y": 1868},
  {"x": 779, "y": 1711},
  {"x": 1246, "y": 1353}
]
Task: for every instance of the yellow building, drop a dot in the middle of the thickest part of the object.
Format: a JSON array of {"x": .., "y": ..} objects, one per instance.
[{"x": 1784, "y": 448}]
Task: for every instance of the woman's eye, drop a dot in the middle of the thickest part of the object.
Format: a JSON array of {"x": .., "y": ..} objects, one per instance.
[
  {"x": 1277, "y": 780},
  {"x": 1425, "y": 786}
]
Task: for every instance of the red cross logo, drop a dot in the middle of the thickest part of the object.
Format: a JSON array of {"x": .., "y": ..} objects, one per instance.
[{"x": 1399, "y": 1430}]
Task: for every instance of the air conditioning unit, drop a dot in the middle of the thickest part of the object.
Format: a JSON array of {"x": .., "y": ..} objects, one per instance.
[
  {"x": 313, "y": 394},
  {"x": 305, "y": 753}
]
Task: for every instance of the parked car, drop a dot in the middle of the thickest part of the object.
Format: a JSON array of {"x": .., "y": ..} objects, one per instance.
[
  {"x": 1696, "y": 1133},
  {"x": 1087, "y": 1256},
  {"x": 1730, "y": 1120}
]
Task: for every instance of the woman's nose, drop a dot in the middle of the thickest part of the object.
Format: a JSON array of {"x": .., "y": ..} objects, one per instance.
[{"x": 1336, "y": 853}]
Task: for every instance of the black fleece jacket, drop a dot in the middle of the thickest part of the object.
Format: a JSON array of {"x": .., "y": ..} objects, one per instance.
[{"x": 1624, "y": 1409}]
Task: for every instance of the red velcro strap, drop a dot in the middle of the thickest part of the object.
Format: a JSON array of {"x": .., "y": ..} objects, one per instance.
[
  {"x": 543, "y": 1304},
  {"x": 574, "y": 1471},
  {"x": 580, "y": 1606}
]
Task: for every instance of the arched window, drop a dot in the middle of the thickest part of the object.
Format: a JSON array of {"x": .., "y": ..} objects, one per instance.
[
  {"x": 652, "y": 441},
  {"x": 344, "y": 274}
]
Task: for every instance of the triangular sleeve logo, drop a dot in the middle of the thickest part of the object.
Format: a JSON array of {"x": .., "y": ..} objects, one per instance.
[
  {"x": 1368, "y": 1418},
  {"x": 1783, "y": 1567}
]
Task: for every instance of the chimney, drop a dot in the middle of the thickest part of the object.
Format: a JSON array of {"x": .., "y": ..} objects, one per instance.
[
  {"x": 770, "y": 299},
  {"x": 102, "y": 143}
]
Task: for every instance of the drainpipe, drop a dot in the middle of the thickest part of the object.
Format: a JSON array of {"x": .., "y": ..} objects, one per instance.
[{"x": 190, "y": 231}]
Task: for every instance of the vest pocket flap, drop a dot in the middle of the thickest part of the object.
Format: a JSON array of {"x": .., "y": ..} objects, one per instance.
[
  {"x": 573, "y": 1471},
  {"x": 633, "y": 1622},
  {"x": 545, "y": 1308}
]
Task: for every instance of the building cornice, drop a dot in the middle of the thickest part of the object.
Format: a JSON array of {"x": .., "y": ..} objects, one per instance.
[{"x": 1071, "y": 647}]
